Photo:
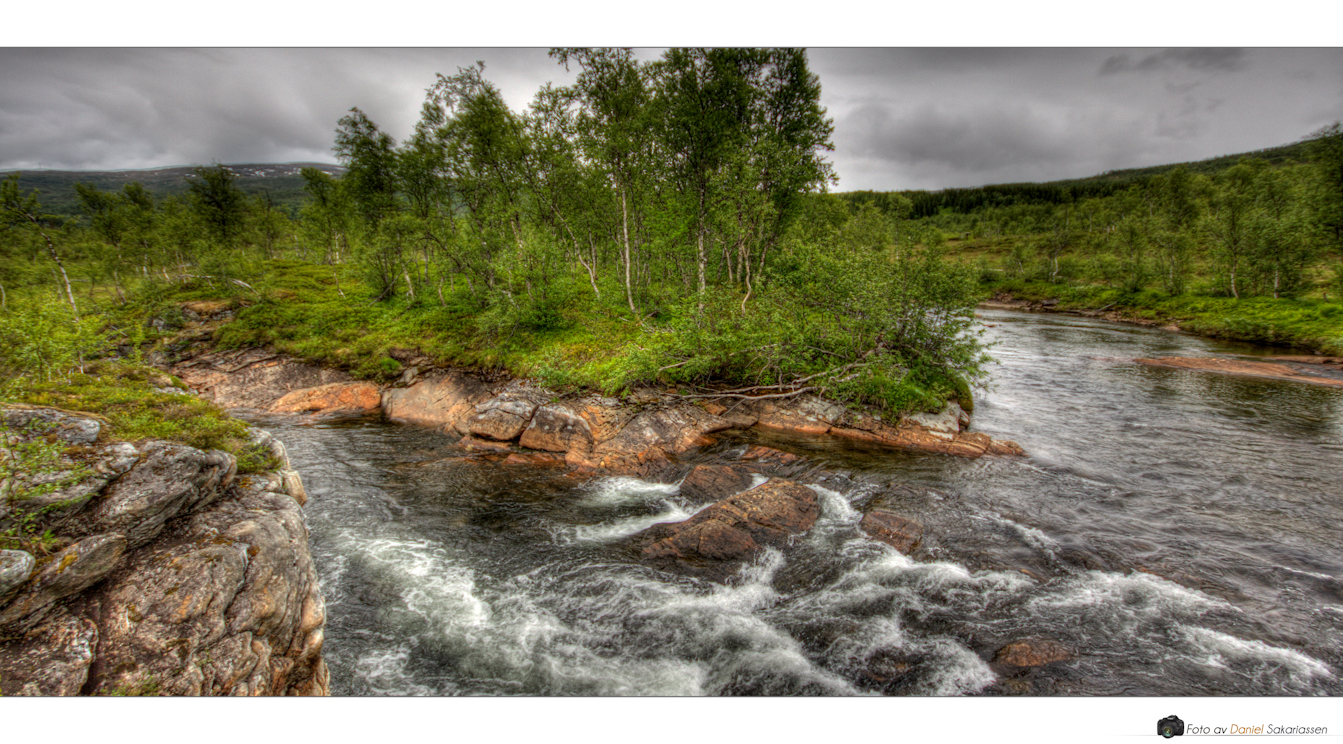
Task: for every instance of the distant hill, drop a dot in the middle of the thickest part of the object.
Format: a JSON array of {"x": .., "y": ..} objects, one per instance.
[
  {"x": 927, "y": 203},
  {"x": 56, "y": 189}
]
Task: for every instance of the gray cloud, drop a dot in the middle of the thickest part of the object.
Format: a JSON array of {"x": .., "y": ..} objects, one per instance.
[
  {"x": 905, "y": 118},
  {"x": 1200, "y": 59}
]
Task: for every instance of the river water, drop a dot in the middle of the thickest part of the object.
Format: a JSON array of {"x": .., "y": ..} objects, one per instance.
[{"x": 1178, "y": 532}]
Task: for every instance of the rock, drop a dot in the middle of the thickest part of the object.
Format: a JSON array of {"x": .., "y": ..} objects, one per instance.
[
  {"x": 713, "y": 482},
  {"x": 72, "y": 427},
  {"x": 533, "y": 459},
  {"x": 732, "y": 530},
  {"x": 945, "y": 423},
  {"x": 501, "y": 419},
  {"x": 444, "y": 401},
  {"x": 170, "y": 480},
  {"x": 899, "y": 532},
  {"x": 1032, "y": 652},
  {"x": 331, "y": 398},
  {"x": 70, "y": 571},
  {"x": 52, "y": 659},
  {"x": 1242, "y": 368},
  {"x": 769, "y": 455},
  {"x": 805, "y": 415},
  {"x": 230, "y": 606},
  {"x": 557, "y": 429},
  {"x": 252, "y": 378},
  {"x": 292, "y": 484},
  {"x": 739, "y": 416},
  {"x": 483, "y": 445},
  {"x": 654, "y": 434},
  {"x": 15, "y": 568}
]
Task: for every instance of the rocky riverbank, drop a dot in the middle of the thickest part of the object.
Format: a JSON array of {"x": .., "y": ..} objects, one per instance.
[
  {"x": 585, "y": 431},
  {"x": 156, "y": 568}
]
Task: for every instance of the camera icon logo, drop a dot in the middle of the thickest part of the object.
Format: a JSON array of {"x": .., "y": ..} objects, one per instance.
[{"x": 1170, "y": 726}]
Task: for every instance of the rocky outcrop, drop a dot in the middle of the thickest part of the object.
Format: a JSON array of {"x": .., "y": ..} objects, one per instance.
[
  {"x": 715, "y": 541},
  {"x": 171, "y": 574},
  {"x": 252, "y": 378},
  {"x": 1245, "y": 368},
  {"x": 335, "y": 397},
  {"x": 713, "y": 482},
  {"x": 590, "y": 431}
]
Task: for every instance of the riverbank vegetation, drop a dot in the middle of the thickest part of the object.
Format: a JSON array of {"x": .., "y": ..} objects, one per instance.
[
  {"x": 656, "y": 223},
  {"x": 661, "y": 223}
]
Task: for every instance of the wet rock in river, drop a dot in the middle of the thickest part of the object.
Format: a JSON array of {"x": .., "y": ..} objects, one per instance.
[
  {"x": 713, "y": 482},
  {"x": 899, "y": 532},
  {"x": 557, "y": 429},
  {"x": 1032, "y": 652},
  {"x": 735, "y": 529}
]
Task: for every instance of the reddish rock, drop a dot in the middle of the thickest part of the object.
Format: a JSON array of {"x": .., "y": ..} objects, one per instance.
[
  {"x": 1032, "y": 652},
  {"x": 899, "y": 532},
  {"x": 252, "y": 378},
  {"x": 483, "y": 445},
  {"x": 653, "y": 435},
  {"x": 803, "y": 415},
  {"x": 501, "y": 419},
  {"x": 445, "y": 401},
  {"x": 713, "y": 482},
  {"x": 732, "y": 530},
  {"x": 534, "y": 459},
  {"x": 1241, "y": 368},
  {"x": 557, "y": 429},
  {"x": 329, "y": 398},
  {"x": 769, "y": 455},
  {"x": 740, "y": 416},
  {"x": 605, "y": 417}
]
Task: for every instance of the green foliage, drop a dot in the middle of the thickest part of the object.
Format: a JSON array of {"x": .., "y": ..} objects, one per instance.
[{"x": 42, "y": 340}]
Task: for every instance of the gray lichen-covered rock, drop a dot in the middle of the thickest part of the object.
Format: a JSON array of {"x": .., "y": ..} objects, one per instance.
[
  {"x": 15, "y": 568},
  {"x": 71, "y": 427},
  {"x": 62, "y": 648},
  {"x": 172, "y": 479},
  {"x": 181, "y": 580},
  {"x": 70, "y": 571}
]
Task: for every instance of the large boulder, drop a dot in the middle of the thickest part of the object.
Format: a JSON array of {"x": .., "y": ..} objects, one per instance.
[
  {"x": 716, "y": 540},
  {"x": 170, "y": 480},
  {"x": 69, "y": 572},
  {"x": 61, "y": 648}
]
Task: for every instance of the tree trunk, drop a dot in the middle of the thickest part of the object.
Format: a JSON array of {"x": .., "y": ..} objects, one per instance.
[{"x": 625, "y": 227}]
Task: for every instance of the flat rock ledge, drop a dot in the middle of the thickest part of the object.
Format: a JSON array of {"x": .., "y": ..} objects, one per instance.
[
  {"x": 1282, "y": 369},
  {"x": 589, "y": 431},
  {"x": 177, "y": 576}
]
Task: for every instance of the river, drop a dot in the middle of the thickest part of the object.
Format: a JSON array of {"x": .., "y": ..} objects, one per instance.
[{"x": 1178, "y": 532}]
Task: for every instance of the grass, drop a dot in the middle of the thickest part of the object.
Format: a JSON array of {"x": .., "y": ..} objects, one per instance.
[{"x": 124, "y": 395}]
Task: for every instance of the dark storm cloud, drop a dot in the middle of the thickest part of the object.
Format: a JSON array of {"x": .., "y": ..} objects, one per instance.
[{"x": 1226, "y": 60}]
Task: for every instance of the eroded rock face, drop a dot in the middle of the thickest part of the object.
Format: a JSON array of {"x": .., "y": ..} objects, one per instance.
[
  {"x": 653, "y": 435},
  {"x": 716, "y": 540},
  {"x": 252, "y": 378},
  {"x": 501, "y": 419},
  {"x": 62, "y": 648},
  {"x": 444, "y": 401},
  {"x": 336, "y": 397},
  {"x": 557, "y": 429},
  {"x": 229, "y": 605},
  {"x": 178, "y": 578}
]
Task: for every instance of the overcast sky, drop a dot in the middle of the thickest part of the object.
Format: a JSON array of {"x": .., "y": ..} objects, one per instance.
[{"x": 904, "y": 118}]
